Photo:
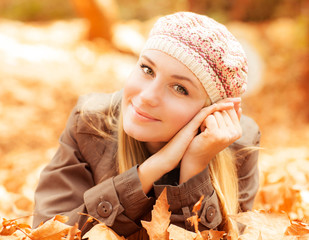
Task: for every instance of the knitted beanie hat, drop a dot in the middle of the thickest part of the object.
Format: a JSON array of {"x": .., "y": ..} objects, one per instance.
[{"x": 207, "y": 48}]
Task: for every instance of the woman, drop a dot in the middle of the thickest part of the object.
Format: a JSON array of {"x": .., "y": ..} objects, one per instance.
[{"x": 175, "y": 125}]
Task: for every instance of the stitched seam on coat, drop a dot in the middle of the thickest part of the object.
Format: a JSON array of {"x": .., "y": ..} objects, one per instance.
[{"x": 184, "y": 194}]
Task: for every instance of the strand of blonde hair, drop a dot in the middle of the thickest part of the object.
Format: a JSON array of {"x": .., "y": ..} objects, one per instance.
[{"x": 225, "y": 181}]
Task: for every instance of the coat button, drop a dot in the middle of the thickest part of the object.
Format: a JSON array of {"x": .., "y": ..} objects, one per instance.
[
  {"x": 104, "y": 209},
  {"x": 210, "y": 213}
]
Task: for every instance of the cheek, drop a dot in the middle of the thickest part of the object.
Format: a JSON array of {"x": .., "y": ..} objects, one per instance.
[
  {"x": 181, "y": 116},
  {"x": 132, "y": 85}
]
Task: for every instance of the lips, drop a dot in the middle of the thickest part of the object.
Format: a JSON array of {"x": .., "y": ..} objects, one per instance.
[{"x": 143, "y": 114}]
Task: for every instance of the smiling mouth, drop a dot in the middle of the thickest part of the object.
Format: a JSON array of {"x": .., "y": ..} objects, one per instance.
[{"x": 143, "y": 114}]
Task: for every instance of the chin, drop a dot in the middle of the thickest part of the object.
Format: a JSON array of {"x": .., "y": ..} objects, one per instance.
[{"x": 144, "y": 136}]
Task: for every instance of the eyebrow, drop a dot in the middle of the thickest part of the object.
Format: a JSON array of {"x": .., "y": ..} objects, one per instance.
[
  {"x": 149, "y": 60},
  {"x": 184, "y": 78},
  {"x": 179, "y": 77}
]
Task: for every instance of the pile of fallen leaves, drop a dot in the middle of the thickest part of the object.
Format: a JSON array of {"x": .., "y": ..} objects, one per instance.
[
  {"x": 259, "y": 225},
  {"x": 284, "y": 182},
  {"x": 52, "y": 229}
]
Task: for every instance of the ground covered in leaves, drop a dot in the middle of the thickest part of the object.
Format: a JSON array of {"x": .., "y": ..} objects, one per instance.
[{"x": 44, "y": 67}]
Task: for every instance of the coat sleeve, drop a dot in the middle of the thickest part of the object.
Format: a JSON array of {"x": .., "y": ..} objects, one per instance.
[{"x": 67, "y": 187}]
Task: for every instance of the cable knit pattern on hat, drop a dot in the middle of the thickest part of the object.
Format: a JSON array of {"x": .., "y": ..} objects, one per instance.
[{"x": 207, "y": 48}]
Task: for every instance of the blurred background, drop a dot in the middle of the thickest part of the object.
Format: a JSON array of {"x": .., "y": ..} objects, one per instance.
[{"x": 53, "y": 51}]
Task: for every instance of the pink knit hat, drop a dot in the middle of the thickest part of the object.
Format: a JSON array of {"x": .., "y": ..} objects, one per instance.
[{"x": 207, "y": 48}]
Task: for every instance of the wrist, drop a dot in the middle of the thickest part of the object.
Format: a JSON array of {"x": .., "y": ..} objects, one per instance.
[
  {"x": 191, "y": 167},
  {"x": 150, "y": 171}
]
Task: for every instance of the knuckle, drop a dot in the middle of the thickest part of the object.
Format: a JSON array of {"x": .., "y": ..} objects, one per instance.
[
  {"x": 237, "y": 135},
  {"x": 215, "y": 106},
  {"x": 222, "y": 138}
]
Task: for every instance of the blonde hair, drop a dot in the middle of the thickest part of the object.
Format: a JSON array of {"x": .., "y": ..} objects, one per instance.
[{"x": 224, "y": 178}]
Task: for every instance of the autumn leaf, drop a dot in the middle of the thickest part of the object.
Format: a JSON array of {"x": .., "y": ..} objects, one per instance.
[
  {"x": 73, "y": 231},
  {"x": 271, "y": 226},
  {"x": 101, "y": 231},
  {"x": 212, "y": 234},
  {"x": 197, "y": 206},
  {"x": 178, "y": 233},
  {"x": 52, "y": 229},
  {"x": 9, "y": 227},
  {"x": 12, "y": 237},
  {"x": 194, "y": 220},
  {"x": 297, "y": 229},
  {"x": 157, "y": 227}
]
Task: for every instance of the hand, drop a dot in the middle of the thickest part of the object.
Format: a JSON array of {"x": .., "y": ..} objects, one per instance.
[
  {"x": 170, "y": 155},
  {"x": 237, "y": 104},
  {"x": 218, "y": 131}
]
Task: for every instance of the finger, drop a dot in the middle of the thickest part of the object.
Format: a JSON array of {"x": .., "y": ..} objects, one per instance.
[
  {"x": 237, "y": 107},
  {"x": 237, "y": 104},
  {"x": 227, "y": 119},
  {"x": 211, "y": 122},
  {"x": 233, "y": 127},
  {"x": 233, "y": 115},
  {"x": 236, "y": 100},
  {"x": 239, "y": 112},
  {"x": 199, "y": 118},
  {"x": 190, "y": 130},
  {"x": 220, "y": 106},
  {"x": 203, "y": 126},
  {"x": 220, "y": 120}
]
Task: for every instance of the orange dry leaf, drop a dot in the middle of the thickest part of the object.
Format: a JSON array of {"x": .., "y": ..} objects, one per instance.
[
  {"x": 297, "y": 229},
  {"x": 157, "y": 228},
  {"x": 212, "y": 234},
  {"x": 270, "y": 225},
  {"x": 101, "y": 231},
  {"x": 178, "y": 233},
  {"x": 197, "y": 206},
  {"x": 9, "y": 227},
  {"x": 11, "y": 238},
  {"x": 52, "y": 229},
  {"x": 74, "y": 231},
  {"x": 194, "y": 220}
]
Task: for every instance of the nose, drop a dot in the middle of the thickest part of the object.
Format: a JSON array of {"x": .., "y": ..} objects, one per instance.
[{"x": 152, "y": 93}]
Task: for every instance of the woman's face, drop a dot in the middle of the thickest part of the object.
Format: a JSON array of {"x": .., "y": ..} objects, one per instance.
[{"x": 160, "y": 97}]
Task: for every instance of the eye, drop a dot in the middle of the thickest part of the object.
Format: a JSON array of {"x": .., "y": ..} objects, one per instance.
[
  {"x": 146, "y": 69},
  {"x": 180, "y": 89}
]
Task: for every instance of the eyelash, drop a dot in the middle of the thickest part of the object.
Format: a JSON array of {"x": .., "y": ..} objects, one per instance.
[
  {"x": 183, "y": 90},
  {"x": 143, "y": 66}
]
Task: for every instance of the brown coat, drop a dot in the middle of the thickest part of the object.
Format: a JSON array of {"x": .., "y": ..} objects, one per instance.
[{"x": 72, "y": 181}]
